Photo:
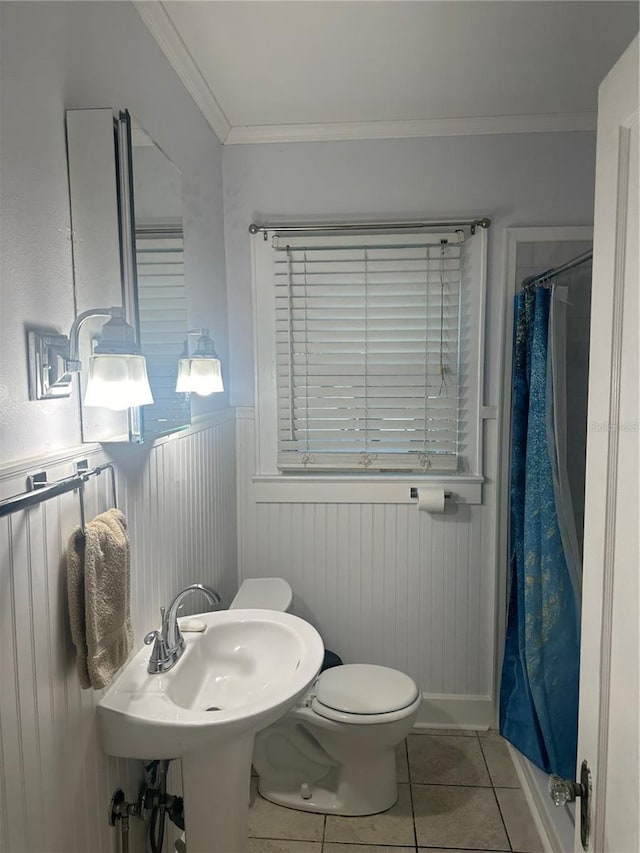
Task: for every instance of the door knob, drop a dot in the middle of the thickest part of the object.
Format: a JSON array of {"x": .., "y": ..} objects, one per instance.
[{"x": 563, "y": 791}]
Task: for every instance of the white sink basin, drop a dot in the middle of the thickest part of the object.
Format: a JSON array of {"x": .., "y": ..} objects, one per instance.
[{"x": 241, "y": 674}]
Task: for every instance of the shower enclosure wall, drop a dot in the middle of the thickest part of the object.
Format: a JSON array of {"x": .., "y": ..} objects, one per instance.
[{"x": 533, "y": 258}]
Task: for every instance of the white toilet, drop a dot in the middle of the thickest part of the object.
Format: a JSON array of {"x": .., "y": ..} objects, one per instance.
[{"x": 334, "y": 752}]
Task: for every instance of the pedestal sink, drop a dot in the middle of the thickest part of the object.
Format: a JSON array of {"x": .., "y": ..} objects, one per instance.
[{"x": 241, "y": 674}]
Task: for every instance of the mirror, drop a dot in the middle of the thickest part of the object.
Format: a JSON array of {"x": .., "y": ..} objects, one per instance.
[
  {"x": 160, "y": 289},
  {"x": 126, "y": 211}
]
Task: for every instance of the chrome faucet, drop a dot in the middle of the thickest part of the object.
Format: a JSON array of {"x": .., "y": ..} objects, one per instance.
[{"x": 168, "y": 642}]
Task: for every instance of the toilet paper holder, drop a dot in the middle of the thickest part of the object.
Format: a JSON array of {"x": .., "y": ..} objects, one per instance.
[{"x": 448, "y": 496}]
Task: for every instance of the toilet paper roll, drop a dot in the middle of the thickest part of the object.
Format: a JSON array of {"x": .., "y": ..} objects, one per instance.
[{"x": 431, "y": 500}]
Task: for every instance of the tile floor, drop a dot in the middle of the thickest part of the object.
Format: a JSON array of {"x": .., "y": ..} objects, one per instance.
[{"x": 457, "y": 791}]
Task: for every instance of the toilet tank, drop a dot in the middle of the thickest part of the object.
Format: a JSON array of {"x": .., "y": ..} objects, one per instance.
[{"x": 263, "y": 593}]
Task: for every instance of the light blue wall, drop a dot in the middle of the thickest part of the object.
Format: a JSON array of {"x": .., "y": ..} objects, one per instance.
[
  {"x": 515, "y": 179},
  {"x": 58, "y": 56}
]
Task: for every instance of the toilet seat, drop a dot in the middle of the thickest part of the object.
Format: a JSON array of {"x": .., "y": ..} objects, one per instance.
[{"x": 363, "y": 693}]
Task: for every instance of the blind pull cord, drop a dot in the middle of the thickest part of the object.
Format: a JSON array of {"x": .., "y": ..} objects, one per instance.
[
  {"x": 290, "y": 341},
  {"x": 443, "y": 378},
  {"x": 306, "y": 356},
  {"x": 366, "y": 356},
  {"x": 426, "y": 355}
]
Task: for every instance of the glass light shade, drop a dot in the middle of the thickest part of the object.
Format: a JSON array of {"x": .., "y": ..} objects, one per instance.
[
  {"x": 201, "y": 376},
  {"x": 117, "y": 382}
]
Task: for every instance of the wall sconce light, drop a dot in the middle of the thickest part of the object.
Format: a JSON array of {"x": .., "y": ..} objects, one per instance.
[
  {"x": 200, "y": 373},
  {"x": 117, "y": 371}
]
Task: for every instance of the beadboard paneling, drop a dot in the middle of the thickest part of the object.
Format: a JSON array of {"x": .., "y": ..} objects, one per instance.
[
  {"x": 179, "y": 500},
  {"x": 383, "y": 583}
]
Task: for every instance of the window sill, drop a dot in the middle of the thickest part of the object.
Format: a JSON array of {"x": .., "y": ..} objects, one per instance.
[{"x": 361, "y": 489}]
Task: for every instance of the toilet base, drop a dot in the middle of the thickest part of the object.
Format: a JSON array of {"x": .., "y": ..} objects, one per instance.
[{"x": 366, "y": 789}]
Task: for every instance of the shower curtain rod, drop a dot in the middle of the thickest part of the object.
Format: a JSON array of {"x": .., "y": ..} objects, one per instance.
[
  {"x": 552, "y": 273},
  {"x": 289, "y": 227}
]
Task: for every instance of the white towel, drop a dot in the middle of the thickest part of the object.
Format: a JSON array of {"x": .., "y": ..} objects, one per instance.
[{"x": 98, "y": 584}]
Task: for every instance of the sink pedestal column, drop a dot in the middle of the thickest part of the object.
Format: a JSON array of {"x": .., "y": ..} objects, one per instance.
[{"x": 216, "y": 785}]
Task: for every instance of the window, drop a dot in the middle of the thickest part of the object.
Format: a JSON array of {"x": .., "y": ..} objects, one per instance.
[{"x": 368, "y": 352}]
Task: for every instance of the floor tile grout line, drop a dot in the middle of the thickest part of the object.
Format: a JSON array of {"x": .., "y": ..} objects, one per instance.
[
  {"x": 504, "y": 823},
  {"x": 486, "y": 763},
  {"x": 413, "y": 811},
  {"x": 409, "y": 847},
  {"x": 495, "y": 796},
  {"x": 280, "y": 838},
  {"x": 356, "y": 844},
  {"x": 445, "y": 733},
  {"x": 517, "y": 787},
  {"x": 455, "y": 785}
]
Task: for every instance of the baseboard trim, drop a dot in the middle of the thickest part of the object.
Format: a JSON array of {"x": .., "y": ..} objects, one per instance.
[
  {"x": 448, "y": 711},
  {"x": 555, "y": 826}
]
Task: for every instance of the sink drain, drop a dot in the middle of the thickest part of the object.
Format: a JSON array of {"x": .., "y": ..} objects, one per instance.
[{"x": 213, "y": 708}]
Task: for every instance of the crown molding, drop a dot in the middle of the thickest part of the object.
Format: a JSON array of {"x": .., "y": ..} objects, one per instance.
[
  {"x": 161, "y": 27},
  {"x": 422, "y": 128},
  {"x": 166, "y": 35}
]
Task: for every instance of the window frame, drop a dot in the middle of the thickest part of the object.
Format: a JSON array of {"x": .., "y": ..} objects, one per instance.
[{"x": 357, "y": 487}]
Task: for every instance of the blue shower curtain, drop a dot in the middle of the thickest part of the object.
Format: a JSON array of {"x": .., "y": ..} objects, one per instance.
[{"x": 539, "y": 689}]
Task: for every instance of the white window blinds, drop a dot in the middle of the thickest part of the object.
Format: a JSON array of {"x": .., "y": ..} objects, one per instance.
[
  {"x": 368, "y": 352},
  {"x": 162, "y": 315}
]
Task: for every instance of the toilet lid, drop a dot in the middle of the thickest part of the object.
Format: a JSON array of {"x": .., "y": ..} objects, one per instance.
[{"x": 365, "y": 689}]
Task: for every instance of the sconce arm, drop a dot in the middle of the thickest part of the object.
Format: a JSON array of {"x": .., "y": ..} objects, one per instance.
[
  {"x": 73, "y": 362},
  {"x": 204, "y": 347}
]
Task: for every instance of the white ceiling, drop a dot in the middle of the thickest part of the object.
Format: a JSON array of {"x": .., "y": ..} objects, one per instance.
[{"x": 306, "y": 69}]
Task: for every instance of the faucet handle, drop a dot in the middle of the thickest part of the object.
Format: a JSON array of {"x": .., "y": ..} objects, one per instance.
[
  {"x": 151, "y": 636},
  {"x": 159, "y": 654}
]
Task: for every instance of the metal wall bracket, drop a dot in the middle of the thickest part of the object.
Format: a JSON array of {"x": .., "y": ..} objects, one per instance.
[
  {"x": 36, "y": 481},
  {"x": 49, "y": 377}
]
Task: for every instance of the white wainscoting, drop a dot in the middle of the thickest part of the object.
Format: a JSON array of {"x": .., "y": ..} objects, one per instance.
[
  {"x": 179, "y": 499},
  {"x": 386, "y": 584}
]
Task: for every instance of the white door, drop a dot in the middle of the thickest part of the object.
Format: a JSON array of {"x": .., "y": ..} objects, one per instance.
[{"x": 610, "y": 660}]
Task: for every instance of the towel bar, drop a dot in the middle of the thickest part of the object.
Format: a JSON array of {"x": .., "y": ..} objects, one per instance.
[{"x": 38, "y": 490}]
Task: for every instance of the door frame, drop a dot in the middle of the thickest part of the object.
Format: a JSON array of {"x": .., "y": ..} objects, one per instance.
[{"x": 549, "y": 820}]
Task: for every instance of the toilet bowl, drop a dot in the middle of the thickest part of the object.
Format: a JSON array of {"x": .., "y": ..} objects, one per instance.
[{"x": 334, "y": 752}]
